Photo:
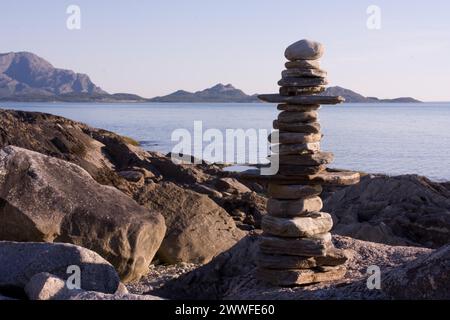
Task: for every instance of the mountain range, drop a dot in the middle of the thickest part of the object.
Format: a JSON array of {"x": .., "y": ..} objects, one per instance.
[
  {"x": 217, "y": 93},
  {"x": 25, "y": 76}
]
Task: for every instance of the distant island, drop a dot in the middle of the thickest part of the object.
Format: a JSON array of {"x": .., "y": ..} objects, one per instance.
[
  {"x": 228, "y": 93},
  {"x": 217, "y": 93},
  {"x": 26, "y": 77}
]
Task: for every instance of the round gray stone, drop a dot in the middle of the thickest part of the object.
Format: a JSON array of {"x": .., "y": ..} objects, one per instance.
[{"x": 304, "y": 50}]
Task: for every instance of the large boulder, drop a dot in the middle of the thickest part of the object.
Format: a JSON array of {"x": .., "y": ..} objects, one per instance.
[
  {"x": 219, "y": 277},
  {"x": 428, "y": 277},
  {"x": 101, "y": 153},
  {"x": 401, "y": 210},
  {"x": 197, "y": 228},
  {"x": 19, "y": 262},
  {"x": 45, "y": 286},
  {"x": 44, "y": 199}
]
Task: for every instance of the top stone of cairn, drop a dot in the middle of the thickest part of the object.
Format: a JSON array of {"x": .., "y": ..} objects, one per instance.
[{"x": 304, "y": 50}]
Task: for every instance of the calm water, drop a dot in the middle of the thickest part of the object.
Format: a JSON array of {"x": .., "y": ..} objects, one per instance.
[{"x": 377, "y": 138}]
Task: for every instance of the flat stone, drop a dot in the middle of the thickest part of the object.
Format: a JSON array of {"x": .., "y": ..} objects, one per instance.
[
  {"x": 312, "y": 159},
  {"x": 303, "y": 72},
  {"x": 306, "y": 226},
  {"x": 289, "y": 170},
  {"x": 311, "y": 127},
  {"x": 302, "y": 82},
  {"x": 297, "y": 138},
  {"x": 288, "y": 278},
  {"x": 341, "y": 178},
  {"x": 304, "y": 50},
  {"x": 295, "y": 149},
  {"x": 293, "y": 208},
  {"x": 316, "y": 246},
  {"x": 295, "y": 117},
  {"x": 132, "y": 176},
  {"x": 303, "y": 64},
  {"x": 301, "y": 100},
  {"x": 334, "y": 257},
  {"x": 298, "y": 108},
  {"x": 292, "y": 192},
  {"x": 294, "y": 91}
]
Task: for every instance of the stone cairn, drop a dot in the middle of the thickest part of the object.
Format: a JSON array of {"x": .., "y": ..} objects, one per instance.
[{"x": 296, "y": 246}]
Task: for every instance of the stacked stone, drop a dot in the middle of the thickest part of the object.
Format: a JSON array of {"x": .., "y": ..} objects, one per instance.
[{"x": 296, "y": 246}]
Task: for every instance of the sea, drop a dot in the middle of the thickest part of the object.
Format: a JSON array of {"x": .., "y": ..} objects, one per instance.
[{"x": 382, "y": 138}]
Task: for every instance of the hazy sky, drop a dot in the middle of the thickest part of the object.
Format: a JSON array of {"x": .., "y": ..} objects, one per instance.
[{"x": 155, "y": 47}]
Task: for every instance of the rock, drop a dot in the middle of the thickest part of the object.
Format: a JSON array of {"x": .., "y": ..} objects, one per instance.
[
  {"x": 197, "y": 228},
  {"x": 294, "y": 91},
  {"x": 292, "y": 192},
  {"x": 132, "y": 176},
  {"x": 328, "y": 178},
  {"x": 297, "y": 277},
  {"x": 302, "y": 82},
  {"x": 300, "y": 100},
  {"x": 401, "y": 210},
  {"x": 296, "y": 117},
  {"x": 303, "y": 72},
  {"x": 293, "y": 208},
  {"x": 238, "y": 215},
  {"x": 297, "y": 170},
  {"x": 41, "y": 202},
  {"x": 295, "y": 149},
  {"x": 311, "y": 159},
  {"x": 334, "y": 257},
  {"x": 45, "y": 286},
  {"x": 231, "y": 185},
  {"x": 121, "y": 290},
  {"x": 307, "y": 225},
  {"x": 252, "y": 205},
  {"x": 315, "y": 246},
  {"x": 303, "y": 64},
  {"x": 203, "y": 189},
  {"x": 428, "y": 277},
  {"x": 211, "y": 281},
  {"x": 298, "y": 108},
  {"x": 99, "y": 152},
  {"x": 20, "y": 261},
  {"x": 312, "y": 127},
  {"x": 296, "y": 138},
  {"x": 304, "y": 50}
]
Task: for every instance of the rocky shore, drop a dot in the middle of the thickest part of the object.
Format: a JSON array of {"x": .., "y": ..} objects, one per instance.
[{"x": 141, "y": 227}]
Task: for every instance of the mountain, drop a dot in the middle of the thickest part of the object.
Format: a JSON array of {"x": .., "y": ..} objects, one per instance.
[
  {"x": 218, "y": 93},
  {"x": 228, "y": 93},
  {"x": 353, "y": 97},
  {"x": 25, "y": 76}
]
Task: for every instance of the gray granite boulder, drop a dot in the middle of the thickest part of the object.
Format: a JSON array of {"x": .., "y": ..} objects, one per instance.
[
  {"x": 19, "y": 262},
  {"x": 45, "y": 199},
  {"x": 45, "y": 286}
]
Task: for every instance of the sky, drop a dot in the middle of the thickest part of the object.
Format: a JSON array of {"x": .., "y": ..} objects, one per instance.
[{"x": 155, "y": 47}]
